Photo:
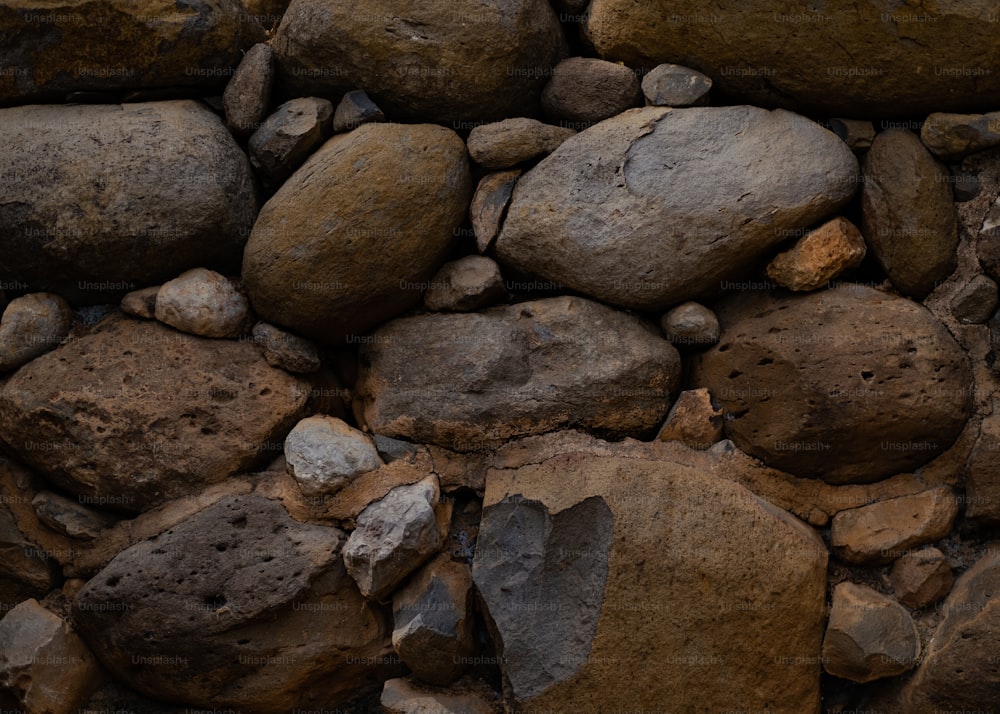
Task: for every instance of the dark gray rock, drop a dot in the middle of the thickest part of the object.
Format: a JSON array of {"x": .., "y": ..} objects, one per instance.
[
  {"x": 288, "y": 136},
  {"x": 671, "y": 85},
  {"x": 489, "y": 206},
  {"x": 70, "y": 517},
  {"x": 691, "y": 324},
  {"x": 283, "y": 349},
  {"x": 976, "y": 302},
  {"x": 466, "y": 284},
  {"x": 356, "y": 108}
]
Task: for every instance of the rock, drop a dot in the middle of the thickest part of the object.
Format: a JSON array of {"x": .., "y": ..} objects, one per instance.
[
  {"x": 882, "y": 61},
  {"x": 436, "y": 61},
  {"x": 287, "y": 137},
  {"x": 466, "y": 284},
  {"x": 74, "y": 519},
  {"x": 134, "y": 413},
  {"x": 965, "y": 185},
  {"x": 959, "y": 669},
  {"x": 820, "y": 256},
  {"x": 691, "y": 324},
  {"x": 952, "y": 136},
  {"x": 202, "y": 302},
  {"x": 24, "y": 568},
  {"x": 884, "y": 531},
  {"x": 401, "y": 697},
  {"x": 141, "y": 303},
  {"x": 55, "y": 51},
  {"x": 506, "y": 143},
  {"x": 433, "y": 618},
  {"x": 982, "y": 475},
  {"x": 323, "y": 454},
  {"x": 603, "y": 214},
  {"x": 285, "y": 350},
  {"x": 267, "y": 12},
  {"x": 671, "y": 85},
  {"x": 347, "y": 241},
  {"x": 44, "y": 666},
  {"x": 393, "y": 449},
  {"x": 249, "y": 91},
  {"x": 869, "y": 636},
  {"x": 586, "y": 90},
  {"x": 489, "y": 206},
  {"x": 579, "y": 608},
  {"x": 31, "y": 326},
  {"x": 975, "y": 303},
  {"x": 471, "y": 381},
  {"x": 157, "y": 188},
  {"x": 921, "y": 578},
  {"x": 693, "y": 420},
  {"x": 858, "y": 134},
  {"x": 874, "y": 387},
  {"x": 356, "y": 108},
  {"x": 394, "y": 537},
  {"x": 908, "y": 215},
  {"x": 236, "y": 606}
]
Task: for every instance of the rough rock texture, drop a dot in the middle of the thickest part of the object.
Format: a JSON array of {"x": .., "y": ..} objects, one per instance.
[
  {"x": 605, "y": 214},
  {"x": 909, "y": 219},
  {"x": 489, "y": 206},
  {"x": 70, "y": 517},
  {"x": 346, "y": 242},
  {"x": 504, "y": 144},
  {"x": 249, "y": 91},
  {"x": 237, "y": 606},
  {"x": 394, "y": 537},
  {"x": 356, "y": 108},
  {"x": 982, "y": 481},
  {"x": 469, "y": 381},
  {"x": 24, "y": 567},
  {"x": 584, "y": 90},
  {"x": 819, "y": 256},
  {"x": 878, "y": 59},
  {"x": 952, "y": 136},
  {"x": 141, "y": 303},
  {"x": 869, "y": 636},
  {"x": 670, "y": 85},
  {"x": 433, "y": 619},
  {"x": 56, "y": 49},
  {"x": 202, "y": 302},
  {"x": 433, "y": 61},
  {"x": 921, "y": 578},
  {"x": 323, "y": 454},
  {"x": 693, "y": 420},
  {"x": 691, "y": 324},
  {"x": 31, "y": 326},
  {"x": 157, "y": 188},
  {"x": 44, "y": 666},
  {"x": 730, "y": 609},
  {"x": 285, "y": 350},
  {"x": 976, "y": 302},
  {"x": 884, "y": 531},
  {"x": 874, "y": 387},
  {"x": 135, "y": 413},
  {"x": 288, "y": 136},
  {"x": 858, "y": 134},
  {"x": 959, "y": 669},
  {"x": 466, "y": 284},
  {"x": 400, "y": 697}
]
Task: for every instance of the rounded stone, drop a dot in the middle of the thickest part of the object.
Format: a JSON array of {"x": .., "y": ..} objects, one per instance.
[
  {"x": 202, "y": 302},
  {"x": 691, "y": 324},
  {"x": 31, "y": 326},
  {"x": 324, "y": 453}
]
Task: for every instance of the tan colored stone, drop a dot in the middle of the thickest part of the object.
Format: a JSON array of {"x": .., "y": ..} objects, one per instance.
[
  {"x": 693, "y": 420},
  {"x": 141, "y": 303},
  {"x": 203, "y": 302},
  {"x": 819, "y": 256},
  {"x": 503, "y": 144},
  {"x": 466, "y": 284},
  {"x": 922, "y": 578},
  {"x": 952, "y": 136}
]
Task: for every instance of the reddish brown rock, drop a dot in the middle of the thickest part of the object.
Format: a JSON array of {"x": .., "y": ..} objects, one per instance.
[
  {"x": 820, "y": 256},
  {"x": 921, "y": 578},
  {"x": 693, "y": 420}
]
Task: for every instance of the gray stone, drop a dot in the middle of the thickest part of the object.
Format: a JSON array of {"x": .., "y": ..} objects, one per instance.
[
  {"x": 869, "y": 636},
  {"x": 586, "y": 90},
  {"x": 394, "y": 537},
  {"x": 141, "y": 303},
  {"x": 858, "y": 134},
  {"x": 157, "y": 188},
  {"x": 922, "y": 578},
  {"x": 31, "y": 326},
  {"x": 285, "y": 350},
  {"x": 249, "y": 91},
  {"x": 202, "y": 302},
  {"x": 323, "y": 454},
  {"x": 504, "y": 144},
  {"x": 975, "y": 303},
  {"x": 70, "y": 517},
  {"x": 466, "y": 284},
  {"x": 908, "y": 215},
  {"x": 965, "y": 185},
  {"x": 356, "y": 108},
  {"x": 393, "y": 449},
  {"x": 952, "y": 136},
  {"x": 288, "y": 136},
  {"x": 691, "y": 324},
  {"x": 605, "y": 215},
  {"x": 489, "y": 206},
  {"x": 671, "y": 85}
]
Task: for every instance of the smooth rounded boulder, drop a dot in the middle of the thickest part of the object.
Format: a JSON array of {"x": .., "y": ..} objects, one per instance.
[
  {"x": 437, "y": 60},
  {"x": 352, "y": 238},
  {"x": 658, "y": 206},
  {"x": 849, "y": 385},
  {"x": 157, "y": 188}
]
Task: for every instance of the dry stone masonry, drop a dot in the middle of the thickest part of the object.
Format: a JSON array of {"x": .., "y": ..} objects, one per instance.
[{"x": 522, "y": 357}]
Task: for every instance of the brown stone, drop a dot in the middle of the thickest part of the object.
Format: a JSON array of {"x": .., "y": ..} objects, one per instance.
[
  {"x": 355, "y": 108},
  {"x": 671, "y": 85},
  {"x": 489, "y": 206},
  {"x": 820, "y": 256},
  {"x": 285, "y": 350},
  {"x": 952, "y": 136},
  {"x": 858, "y": 134},
  {"x": 400, "y": 696},
  {"x": 248, "y": 93},
  {"x": 141, "y": 303},
  {"x": 466, "y": 284},
  {"x": 31, "y": 326},
  {"x": 203, "y": 302},
  {"x": 691, "y": 324},
  {"x": 69, "y": 517},
  {"x": 586, "y": 90},
  {"x": 693, "y": 420},
  {"x": 288, "y": 137},
  {"x": 982, "y": 481},
  {"x": 921, "y": 578},
  {"x": 504, "y": 144}
]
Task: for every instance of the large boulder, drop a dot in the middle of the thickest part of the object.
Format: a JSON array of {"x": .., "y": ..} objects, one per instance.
[
  {"x": 879, "y": 58},
  {"x": 470, "y": 381},
  {"x": 628, "y": 583},
  {"x": 657, "y": 206},
  {"x": 54, "y": 47},
  {"x": 135, "y": 413},
  {"x": 849, "y": 385},
  {"x": 103, "y": 199},
  {"x": 353, "y": 236},
  {"x": 237, "y": 606},
  {"x": 442, "y": 60}
]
